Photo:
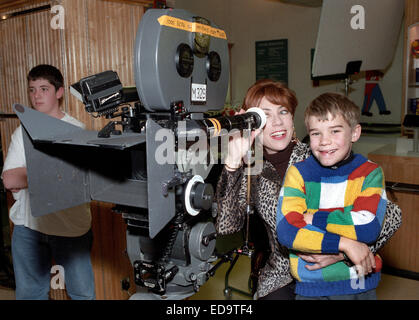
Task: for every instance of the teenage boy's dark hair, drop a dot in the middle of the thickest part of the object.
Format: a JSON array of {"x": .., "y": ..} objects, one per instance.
[{"x": 47, "y": 72}]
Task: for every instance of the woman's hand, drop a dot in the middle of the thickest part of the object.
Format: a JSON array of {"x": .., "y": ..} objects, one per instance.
[
  {"x": 320, "y": 260},
  {"x": 308, "y": 218},
  {"x": 238, "y": 146}
]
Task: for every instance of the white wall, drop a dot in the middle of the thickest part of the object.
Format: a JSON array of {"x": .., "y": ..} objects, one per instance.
[{"x": 247, "y": 21}]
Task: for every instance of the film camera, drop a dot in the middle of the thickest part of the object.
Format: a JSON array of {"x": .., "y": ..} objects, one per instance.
[{"x": 152, "y": 162}]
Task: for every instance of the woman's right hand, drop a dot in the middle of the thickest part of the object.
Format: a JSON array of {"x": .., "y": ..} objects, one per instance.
[
  {"x": 238, "y": 146},
  {"x": 320, "y": 260}
]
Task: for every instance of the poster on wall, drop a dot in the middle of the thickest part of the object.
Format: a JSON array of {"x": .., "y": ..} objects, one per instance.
[{"x": 272, "y": 60}]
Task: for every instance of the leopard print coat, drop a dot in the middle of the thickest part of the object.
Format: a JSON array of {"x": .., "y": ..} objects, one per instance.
[{"x": 231, "y": 199}]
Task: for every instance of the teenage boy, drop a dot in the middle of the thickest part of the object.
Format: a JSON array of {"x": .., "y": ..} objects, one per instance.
[
  {"x": 329, "y": 200},
  {"x": 64, "y": 236}
]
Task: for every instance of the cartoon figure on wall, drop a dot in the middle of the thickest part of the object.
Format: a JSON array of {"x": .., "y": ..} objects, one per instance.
[{"x": 373, "y": 92}]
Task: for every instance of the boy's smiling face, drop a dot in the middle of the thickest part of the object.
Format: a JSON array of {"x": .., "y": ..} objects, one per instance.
[{"x": 331, "y": 140}]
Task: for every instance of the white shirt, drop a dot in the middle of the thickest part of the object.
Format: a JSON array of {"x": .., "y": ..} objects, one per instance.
[{"x": 72, "y": 222}]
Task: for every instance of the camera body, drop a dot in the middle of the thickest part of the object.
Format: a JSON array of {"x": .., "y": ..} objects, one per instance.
[{"x": 144, "y": 160}]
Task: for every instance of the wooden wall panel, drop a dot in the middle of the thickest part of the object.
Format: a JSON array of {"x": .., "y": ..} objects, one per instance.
[
  {"x": 401, "y": 250},
  {"x": 12, "y": 68},
  {"x": 397, "y": 168},
  {"x": 44, "y": 43},
  {"x": 97, "y": 36},
  {"x": 411, "y": 12},
  {"x": 8, "y": 5},
  {"x": 109, "y": 257},
  {"x": 26, "y": 42},
  {"x": 76, "y": 54}
]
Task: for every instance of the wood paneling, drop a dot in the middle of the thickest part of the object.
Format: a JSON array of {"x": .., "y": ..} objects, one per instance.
[
  {"x": 97, "y": 36},
  {"x": 411, "y": 14},
  {"x": 7, "y": 5},
  {"x": 109, "y": 258},
  {"x": 26, "y": 41},
  {"x": 398, "y": 168},
  {"x": 141, "y": 2},
  {"x": 401, "y": 251}
]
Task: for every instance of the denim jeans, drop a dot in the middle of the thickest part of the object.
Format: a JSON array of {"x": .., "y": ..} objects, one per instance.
[{"x": 32, "y": 253}]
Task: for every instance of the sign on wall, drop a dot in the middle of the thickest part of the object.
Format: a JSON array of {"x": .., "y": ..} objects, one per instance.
[{"x": 272, "y": 60}]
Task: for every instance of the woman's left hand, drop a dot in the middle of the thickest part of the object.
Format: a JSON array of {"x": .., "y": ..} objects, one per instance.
[{"x": 320, "y": 260}]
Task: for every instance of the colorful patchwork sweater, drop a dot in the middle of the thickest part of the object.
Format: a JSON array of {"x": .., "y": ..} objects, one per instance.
[{"x": 348, "y": 200}]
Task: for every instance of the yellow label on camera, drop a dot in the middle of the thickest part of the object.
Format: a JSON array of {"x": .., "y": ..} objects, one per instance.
[
  {"x": 177, "y": 23},
  {"x": 217, "y": 126}
]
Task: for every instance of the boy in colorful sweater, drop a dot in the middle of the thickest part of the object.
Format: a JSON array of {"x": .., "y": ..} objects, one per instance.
[{"x": 331, "y": 200}]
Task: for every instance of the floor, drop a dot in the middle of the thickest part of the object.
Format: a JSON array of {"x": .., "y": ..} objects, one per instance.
[{"x": 390, "y": 288}]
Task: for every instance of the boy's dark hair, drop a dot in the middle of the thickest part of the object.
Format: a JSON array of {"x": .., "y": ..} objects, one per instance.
[
  {"x": 47, "y": 72},
  {"x": 334, "y": 104}
]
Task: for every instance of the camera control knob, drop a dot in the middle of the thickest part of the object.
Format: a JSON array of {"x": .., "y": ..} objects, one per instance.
[
  {"x": 198, "y": 195},
  {"x": 202, "y": 195}
]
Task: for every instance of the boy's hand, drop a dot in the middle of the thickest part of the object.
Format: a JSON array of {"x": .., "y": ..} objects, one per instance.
[
  {"x": 15, "y": 179},
  {"x": 308, "y": 218},
  {"x": 320, "y": 260},
  {"x": 359, "y": 254}
]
